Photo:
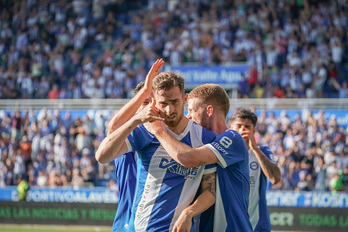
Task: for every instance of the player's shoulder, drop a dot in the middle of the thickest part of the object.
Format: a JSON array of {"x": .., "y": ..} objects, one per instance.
[
  {"x": 140, "y": 130},
  {"x": 205, "y": 132},
  {"x": 231, "y": 137},
  {"x": 129, "y": 157},
  {"x": 232, "y": 134}
]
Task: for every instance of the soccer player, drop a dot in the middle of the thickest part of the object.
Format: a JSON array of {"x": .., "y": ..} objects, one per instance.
[
  {"x": 208, "y": 105},
  {"x": 262, "y": 167},
  {"x": 126, "y": 171},
  {"x": 164, "y": 187}
]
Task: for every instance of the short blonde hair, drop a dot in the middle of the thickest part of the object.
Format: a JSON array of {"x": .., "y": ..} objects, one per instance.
[{"x": 212, "y": 94}]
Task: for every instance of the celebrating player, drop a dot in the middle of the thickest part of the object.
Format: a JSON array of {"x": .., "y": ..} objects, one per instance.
[
  {"x": 208, "y": 105},
  {"x": 164, "y": 187}
]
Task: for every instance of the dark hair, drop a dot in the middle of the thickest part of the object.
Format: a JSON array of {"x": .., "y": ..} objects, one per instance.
[
  {"x": 245, "y": 114},
  {"x": 168, "y": 80},
  {"x": 212, "y": 94},
  {"x": 138, "y": 88}
]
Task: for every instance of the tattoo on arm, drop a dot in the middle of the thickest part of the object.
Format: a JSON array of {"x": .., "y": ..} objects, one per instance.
[
  {"x": 270, "y": 169},
  {"x": 208, "y": 182},
  {"x": 268, "y": 165}
]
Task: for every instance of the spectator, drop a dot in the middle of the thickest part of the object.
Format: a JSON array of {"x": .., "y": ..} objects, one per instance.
[
  {"x": 54, "y": 92},
  {"x": 22, "y": 189},
  {"x": 16, "y": 124}
]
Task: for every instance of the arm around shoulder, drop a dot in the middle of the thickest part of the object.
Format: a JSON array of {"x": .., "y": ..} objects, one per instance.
[{"x": 184, "y": 154}]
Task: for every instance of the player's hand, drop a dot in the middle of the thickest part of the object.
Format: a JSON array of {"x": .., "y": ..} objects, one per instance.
[
  {"x": 149, "y": 114},
  {"x": 153, "y": 127},
  {"x": 184, "y": 223},
  {"x": 156, "y": 67},
  {"x": 249, "y": 138}
]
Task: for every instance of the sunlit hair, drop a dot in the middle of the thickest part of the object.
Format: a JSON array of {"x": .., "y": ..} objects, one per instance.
[
  {"x": 138, "y": 88},
  {"x": 212, "y": 94},
  {"x": 245, "y": 114},
  {"x": 168, "y": 80}
]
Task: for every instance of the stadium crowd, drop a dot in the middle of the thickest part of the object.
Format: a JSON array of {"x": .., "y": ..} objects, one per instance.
[
  {"x": 54, "y": 149},
  {"x": 102, "y": 49}
]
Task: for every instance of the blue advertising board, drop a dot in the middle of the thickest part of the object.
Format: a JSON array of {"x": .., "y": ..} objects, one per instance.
[
  {"x": 104, "y": 195},
  {"x": 307, "y": 199},
  {"x": 226, "y": 76},
  {"x": 93, "y": 195}
]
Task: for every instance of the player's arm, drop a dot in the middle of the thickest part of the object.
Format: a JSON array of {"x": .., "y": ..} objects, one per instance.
[
  {"x": 128, "y": 110},
  {"x": 180, "y": 152},
  {"x": 270, "y": 169},
  {"x": 201, "y": 204},
  {"x": 114, "y": 145}
]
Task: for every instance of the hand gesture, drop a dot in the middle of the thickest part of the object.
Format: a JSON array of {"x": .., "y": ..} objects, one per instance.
[
  {"x": 153, "y": 126},
  {"x": 152, "y": 73},
  {"x": 248, "y": 136},
  {"x": 149, "y": 114}
]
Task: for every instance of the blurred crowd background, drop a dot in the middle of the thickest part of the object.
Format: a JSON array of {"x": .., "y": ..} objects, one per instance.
[{"x": 102, "y": 48}]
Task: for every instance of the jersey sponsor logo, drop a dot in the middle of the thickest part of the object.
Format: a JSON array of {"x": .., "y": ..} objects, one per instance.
[
  {"x": 225, "y": 141},
  {"x": 174, "y": 167},
  {"x": 254, "y": 165},
  {"x": 219, "y": 148}
]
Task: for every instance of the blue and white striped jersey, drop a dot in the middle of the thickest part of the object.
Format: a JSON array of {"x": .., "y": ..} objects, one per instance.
[
  {"x": 258, "y": 211},
  {"x": 126, "y": 171},
  {"x": 232, "y": 189},
  {"x": 164, "y": 187}
]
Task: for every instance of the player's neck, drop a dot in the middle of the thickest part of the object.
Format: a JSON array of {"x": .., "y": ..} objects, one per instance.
[
  {"x": 218, "y": 125},
  {"x": 178, "y": 129}
]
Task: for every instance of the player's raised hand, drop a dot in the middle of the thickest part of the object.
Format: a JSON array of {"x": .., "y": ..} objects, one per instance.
[
  {"x": 156, "y": 67},
  {"x": 249, "y": 138}
]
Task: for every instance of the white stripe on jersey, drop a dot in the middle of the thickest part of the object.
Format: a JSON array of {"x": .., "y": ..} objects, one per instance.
[
  {"x": 220, "y": 221},
  {"x": 193, "y": 137},
  {"x": 151, "y": 190},
  {"x": 254, "y": 196},
  {"x": 129, "y": 146}
]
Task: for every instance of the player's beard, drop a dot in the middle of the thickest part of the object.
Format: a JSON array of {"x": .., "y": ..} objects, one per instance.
[
  {"x": 203, "y": 121},
  {"x": 175, "y": 121}
]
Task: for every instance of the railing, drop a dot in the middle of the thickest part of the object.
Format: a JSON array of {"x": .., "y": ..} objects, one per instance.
[{"x": 266, "y": 103}]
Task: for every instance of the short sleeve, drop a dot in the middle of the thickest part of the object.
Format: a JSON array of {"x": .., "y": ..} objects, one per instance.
[
  {"x": 210, "y": 168},
  {"x": 229, "y": 147},
  {"x": 268, "y": 153}
]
